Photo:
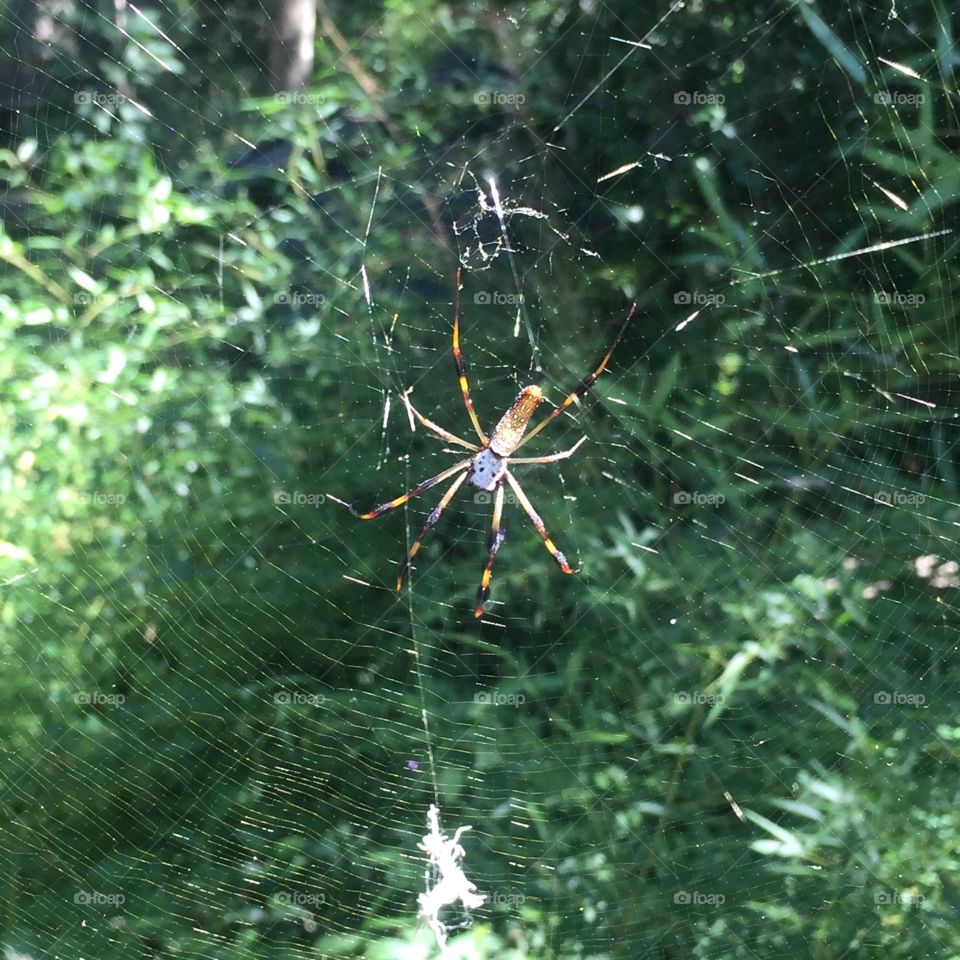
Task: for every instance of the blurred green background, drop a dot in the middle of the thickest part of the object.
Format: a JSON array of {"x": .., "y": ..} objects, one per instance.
[{"x": 734, "y": 734}]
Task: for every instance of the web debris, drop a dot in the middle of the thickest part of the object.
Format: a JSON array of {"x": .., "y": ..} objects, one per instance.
[
  {"x": 489, "y": 224},
  {"x": 451, "y": 884}
]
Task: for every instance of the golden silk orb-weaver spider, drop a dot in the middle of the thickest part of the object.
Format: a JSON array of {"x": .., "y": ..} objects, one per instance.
[{"x": 488, "y": 466}]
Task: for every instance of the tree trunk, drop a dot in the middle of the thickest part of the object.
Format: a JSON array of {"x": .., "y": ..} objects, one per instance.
[{"x": 293, "y": 30}]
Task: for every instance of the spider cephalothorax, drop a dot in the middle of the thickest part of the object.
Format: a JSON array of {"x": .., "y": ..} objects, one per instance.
[{"x": 488, "y": 468}]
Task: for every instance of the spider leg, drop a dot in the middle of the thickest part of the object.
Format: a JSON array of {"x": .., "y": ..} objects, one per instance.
[
  {"x": 431, "y": 520},
  {"x": 551, "y": 458},
  {"x": 436, "y": 428},
  {"x": 496, "y": 539},
  {"x": 400, "y": 501},
  {"x": 462, "y": 369},
  {"x": 538, "y": 523},
  {"x": 584, "y": 385}
]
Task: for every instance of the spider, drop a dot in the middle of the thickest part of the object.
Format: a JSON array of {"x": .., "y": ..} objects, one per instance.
[{"x": 487, "y": 467}]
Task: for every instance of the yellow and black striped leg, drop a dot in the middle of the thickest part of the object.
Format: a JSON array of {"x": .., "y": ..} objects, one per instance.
[
  {"x": 584, "y": 385},
  {"x": 400, "y": 501},
  {"x": 437, "y": 429},
  {"x": 431, "y": 520},
  {"x": 538, "y": 523},
  {"x": 462, "y": 369},
  {"x": 496, "y": 539},
  {"x": 551, "y": 457}
]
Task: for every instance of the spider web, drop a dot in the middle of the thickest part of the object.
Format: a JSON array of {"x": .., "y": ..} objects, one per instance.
[{"x": 227, "y": 735}]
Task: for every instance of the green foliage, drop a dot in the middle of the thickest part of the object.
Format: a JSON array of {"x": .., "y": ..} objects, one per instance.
[{"x": 733, "y": 735}]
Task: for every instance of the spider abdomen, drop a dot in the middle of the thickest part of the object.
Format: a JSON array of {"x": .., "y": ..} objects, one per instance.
[
  {"x": 487, "y": 470},
  {"x": 513, "y": 424}
]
